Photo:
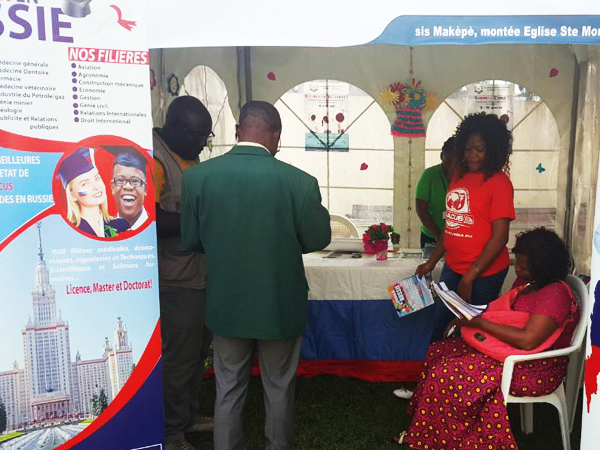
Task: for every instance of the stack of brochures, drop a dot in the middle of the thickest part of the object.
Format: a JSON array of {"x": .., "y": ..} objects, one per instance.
[
  {"x": 411, "y": 294},
  {"x": 457, "y": 305}
]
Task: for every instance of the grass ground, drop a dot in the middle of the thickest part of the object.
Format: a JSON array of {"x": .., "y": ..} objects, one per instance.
[
  {"x": 346, "y": 414},
  {"x": 6, "y": 437}
]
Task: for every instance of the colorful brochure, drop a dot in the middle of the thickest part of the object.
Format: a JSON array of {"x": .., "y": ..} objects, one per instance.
[{"x": 411, "y": 294}]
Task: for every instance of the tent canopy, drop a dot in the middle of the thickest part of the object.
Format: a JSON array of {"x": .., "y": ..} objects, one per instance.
[
  {"x": 302, "y": 49},
  {"x": 314, "y": 23}
]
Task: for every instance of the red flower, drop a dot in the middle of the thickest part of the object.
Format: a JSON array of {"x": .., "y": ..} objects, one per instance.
[
  {"x": 398, "y": 87},
  {"x": 369, "y": 248},
  {"x": 375, "y": 238},
  {"x": 401, "y": 99}
]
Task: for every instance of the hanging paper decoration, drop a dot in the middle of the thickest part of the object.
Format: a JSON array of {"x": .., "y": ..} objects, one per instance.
[
  {"x": 173, "y": 85},
  {"x": 409, "y": 123},
  {"x": 415, "y": 94},
  {"x": 409, "y": 100},
  {"x": 431, "y": 101},
  {"x": 388, "y": 98}
]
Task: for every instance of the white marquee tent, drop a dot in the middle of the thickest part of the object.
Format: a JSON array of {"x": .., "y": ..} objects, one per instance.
[{"x": 266, "y": 50}]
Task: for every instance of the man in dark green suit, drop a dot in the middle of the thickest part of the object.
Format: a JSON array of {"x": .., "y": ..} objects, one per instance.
[{"x": 253, "y": 216}]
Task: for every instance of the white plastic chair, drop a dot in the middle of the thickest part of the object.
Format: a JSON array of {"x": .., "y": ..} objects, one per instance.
[
  {"x": 342, "y": 227},
  {"x": 564, "y": 402}
]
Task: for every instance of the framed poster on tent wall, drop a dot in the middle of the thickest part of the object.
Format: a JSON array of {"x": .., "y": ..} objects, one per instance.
[
  {"x": 326, "y": 114},
  {"x": 492, "y": 96},
  {"x": 80, "y": 360}
]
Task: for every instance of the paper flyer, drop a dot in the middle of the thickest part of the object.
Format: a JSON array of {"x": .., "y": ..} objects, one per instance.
[
  {"x": 411, "y": 294},
  {"x": 326, "y": 108},
  {"x": 80, "y": 365}
]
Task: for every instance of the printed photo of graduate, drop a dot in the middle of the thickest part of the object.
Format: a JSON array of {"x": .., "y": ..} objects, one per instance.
[
  {"x": 129, "y": 185},
  {"x": 85, "y": 193},
  {"x": 105, "y": 191}
]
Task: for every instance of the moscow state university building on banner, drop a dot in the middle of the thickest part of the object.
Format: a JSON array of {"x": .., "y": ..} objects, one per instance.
[{"x": 50, "y": 387}]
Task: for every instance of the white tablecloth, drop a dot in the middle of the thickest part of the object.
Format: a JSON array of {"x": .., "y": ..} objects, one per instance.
[{"x": 346, "y": 278}]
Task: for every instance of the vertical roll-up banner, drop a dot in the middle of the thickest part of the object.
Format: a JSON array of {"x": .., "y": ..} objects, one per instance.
[
  {"x": 80, "y": 359},
  {"x": 590, "y": 432}
]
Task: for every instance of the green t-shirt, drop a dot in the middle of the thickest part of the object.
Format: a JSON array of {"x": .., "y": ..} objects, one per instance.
[{"x": 432, "y": 188}]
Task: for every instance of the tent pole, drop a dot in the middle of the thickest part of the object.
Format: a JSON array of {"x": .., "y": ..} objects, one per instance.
[
  {"x": 161, "y": 81},
  {"x": 571, "y": 162},
  {"x": 244, "y": 75}
]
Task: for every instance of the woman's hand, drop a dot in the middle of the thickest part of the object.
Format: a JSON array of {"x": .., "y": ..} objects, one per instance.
[
  {"x": 465, "y": 288},
  {"x": 424, "y": 268},
  {"x": 457, "y": 324},
  {"x": 449, "y": 327}
]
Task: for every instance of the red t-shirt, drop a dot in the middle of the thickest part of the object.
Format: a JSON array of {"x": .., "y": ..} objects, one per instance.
[{"x": 472, "y": 204}]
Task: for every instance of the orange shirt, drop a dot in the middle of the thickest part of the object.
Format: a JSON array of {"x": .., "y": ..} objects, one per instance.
[{"x": 159, "y": 173}]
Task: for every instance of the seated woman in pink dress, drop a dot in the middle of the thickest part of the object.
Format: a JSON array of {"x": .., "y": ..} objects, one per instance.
[{"x": 458, "y": 402}]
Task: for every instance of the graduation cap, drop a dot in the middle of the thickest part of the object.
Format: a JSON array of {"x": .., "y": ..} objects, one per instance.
[
  {"x": 77, "y": 163},
  {"x": 128, "y": 157},
  {"x": 76, "y": 8}
]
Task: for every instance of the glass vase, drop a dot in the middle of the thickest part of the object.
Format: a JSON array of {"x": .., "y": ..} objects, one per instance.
[{"x": 381, "y": 256}]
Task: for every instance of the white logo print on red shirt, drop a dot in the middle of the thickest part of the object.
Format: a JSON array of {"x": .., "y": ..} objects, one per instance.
[{"x": 458, "y": 209}]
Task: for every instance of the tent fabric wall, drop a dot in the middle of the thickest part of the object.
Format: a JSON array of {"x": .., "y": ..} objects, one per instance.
[
  {"x": 535, "y": 160},
  {"x": 180, "y": 62},
  {"x": 442, "y": 69},
  {"x": 585, "y": 168}
]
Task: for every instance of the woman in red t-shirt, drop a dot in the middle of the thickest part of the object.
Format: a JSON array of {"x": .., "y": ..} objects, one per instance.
[{"x": 479, "y": 209}]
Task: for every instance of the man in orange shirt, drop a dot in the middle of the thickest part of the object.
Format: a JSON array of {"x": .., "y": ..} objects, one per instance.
[{"x": 182, "y": 274}]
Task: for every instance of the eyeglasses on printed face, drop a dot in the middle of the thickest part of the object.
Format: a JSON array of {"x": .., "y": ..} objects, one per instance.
[{"x": 133, "y": 181}]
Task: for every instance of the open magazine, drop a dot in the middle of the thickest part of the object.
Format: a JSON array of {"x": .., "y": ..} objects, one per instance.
[
  {"x": 454, "y": 303},
  {"x": 411, "y": 294}
]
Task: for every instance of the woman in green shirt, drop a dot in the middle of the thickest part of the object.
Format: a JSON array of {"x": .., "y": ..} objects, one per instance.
[{"x": 431, "y": 196}]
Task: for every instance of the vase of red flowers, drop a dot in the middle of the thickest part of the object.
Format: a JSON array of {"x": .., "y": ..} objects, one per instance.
[
  {"x": 381, "y": 256},
  {"x": 375, "y": 240}
]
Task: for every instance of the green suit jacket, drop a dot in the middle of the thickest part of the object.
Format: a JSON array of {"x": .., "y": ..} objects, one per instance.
[{"x": 253, "y": 216}]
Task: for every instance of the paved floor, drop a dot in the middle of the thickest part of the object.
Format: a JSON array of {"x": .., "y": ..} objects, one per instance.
[{"x": 45, "y": 439}]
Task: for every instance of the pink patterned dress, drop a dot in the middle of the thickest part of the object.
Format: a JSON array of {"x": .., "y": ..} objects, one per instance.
[{"x": 458, "y": 403}]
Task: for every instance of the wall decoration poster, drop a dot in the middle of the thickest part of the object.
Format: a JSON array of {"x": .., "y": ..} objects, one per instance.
[
  {"x": 326, "y": 104},
  {"x": 492, "y": 97},
  {"x": 79, "y": 366}
]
